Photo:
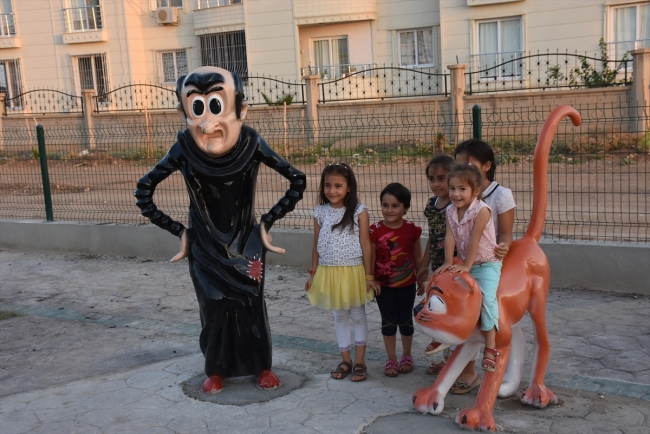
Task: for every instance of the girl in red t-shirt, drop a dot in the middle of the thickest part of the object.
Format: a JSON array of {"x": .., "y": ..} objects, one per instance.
[{"x": 398, "y": 257}]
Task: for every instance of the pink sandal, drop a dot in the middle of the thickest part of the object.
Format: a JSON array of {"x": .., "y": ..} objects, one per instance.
[
  {"x": 435, "y": 347},
  {"x": 488, "y": 364},
  {"x": 406, "y": 365},
  {"x": 391, "y": 365}
]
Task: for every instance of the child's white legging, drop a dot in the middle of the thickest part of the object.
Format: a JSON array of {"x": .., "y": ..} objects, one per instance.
[{"x": 342, "y": 318}]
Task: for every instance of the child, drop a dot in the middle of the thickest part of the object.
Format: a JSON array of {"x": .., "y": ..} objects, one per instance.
[
  {"x": 341, "y": 274},
  {"x": 435, "y": 212},
  {"x": 470, "y": 229},
  {"x": 502, "y": 205},
  {"x": 398, "y": 256}
]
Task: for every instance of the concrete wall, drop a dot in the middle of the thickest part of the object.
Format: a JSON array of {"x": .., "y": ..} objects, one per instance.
[{"x": 613, "y": 267}]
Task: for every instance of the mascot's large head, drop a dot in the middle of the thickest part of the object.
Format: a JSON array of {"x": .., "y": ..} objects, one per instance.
[
  {"x": 451, "y": 309},
  {"x": 211, "y": 101}
]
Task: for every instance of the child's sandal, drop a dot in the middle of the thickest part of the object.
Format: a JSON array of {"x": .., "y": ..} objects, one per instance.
[
  {"x": 406, "y": 365},
  {"x": 359, "y": 372},
  {"x": 488, "y": 364},
  {"x": 390, "y": 368}
]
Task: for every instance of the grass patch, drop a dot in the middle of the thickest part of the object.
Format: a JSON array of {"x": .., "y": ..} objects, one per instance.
[{"x": 6, "y": 314}]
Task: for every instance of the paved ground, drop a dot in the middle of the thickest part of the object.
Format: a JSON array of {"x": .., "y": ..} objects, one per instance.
[{"x": 103, "y": 345}]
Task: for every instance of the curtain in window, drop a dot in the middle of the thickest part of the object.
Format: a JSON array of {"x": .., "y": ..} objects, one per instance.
[
  {"x": 407, "y": 48},
  {"x": 644, "y": 24},
  {"x": 425, "y": 47},
  {"x": 510, "y": 47},
  {"x": 624, "y": 30},
  {"x": 488, "y": 46},
  {"x": 321, "y": 56},
  {"x": 341, "y": 56}
]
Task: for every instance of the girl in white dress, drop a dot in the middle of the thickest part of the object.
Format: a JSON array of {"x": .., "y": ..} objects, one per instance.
[{"x": 341, "y": 276}]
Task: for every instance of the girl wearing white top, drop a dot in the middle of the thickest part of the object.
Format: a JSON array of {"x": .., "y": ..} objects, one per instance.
[{"x": 341, "y": 276}]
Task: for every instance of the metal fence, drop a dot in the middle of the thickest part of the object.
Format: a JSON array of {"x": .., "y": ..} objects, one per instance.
[
  {"x": 598, "y": 173},
  {"x": 384, "y": 82},
  {"x": 44, "y": 101},
  {"x": 545, "y": 71}
]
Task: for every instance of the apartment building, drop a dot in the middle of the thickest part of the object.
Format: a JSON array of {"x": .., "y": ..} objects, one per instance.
[{"x": 70, "y": 45}]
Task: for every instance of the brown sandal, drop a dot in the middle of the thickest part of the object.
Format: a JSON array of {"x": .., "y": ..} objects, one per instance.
[
  {"x": 340, "y": 371},
  {"x": 488, "y": 364},
  {"x": 360, "y": 372}
]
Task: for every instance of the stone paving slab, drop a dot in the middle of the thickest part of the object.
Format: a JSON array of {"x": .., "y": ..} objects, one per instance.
[{"x": 103, "y": 344}]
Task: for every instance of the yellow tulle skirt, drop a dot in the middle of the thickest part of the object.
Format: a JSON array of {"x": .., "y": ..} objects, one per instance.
[{"x": 339, "y": 287}]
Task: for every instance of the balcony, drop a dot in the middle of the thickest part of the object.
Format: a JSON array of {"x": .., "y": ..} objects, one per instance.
[
  {"x": 310, "y": 12},
  {"x": 207, "y": 4},
  {"x": 216, "y": 16},
  {"x": 331, "y": 72},
  {"x": 83, "y": 24},
  {"x": 8, "y": 38}
]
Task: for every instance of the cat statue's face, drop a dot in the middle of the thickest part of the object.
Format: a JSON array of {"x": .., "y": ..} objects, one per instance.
[{"x": 451, "y": 309}]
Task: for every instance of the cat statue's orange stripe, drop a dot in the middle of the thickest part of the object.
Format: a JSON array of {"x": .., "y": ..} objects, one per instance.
[{"x": 451, "y": 310}]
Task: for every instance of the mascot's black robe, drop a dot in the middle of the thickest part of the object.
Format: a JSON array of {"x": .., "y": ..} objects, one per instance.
[{"x": 227, "y": 256}]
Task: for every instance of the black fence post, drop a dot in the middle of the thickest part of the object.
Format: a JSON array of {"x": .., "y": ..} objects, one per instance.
[
  {"x": 477, "y": 126},
  {"x": 47, "y": 194}
]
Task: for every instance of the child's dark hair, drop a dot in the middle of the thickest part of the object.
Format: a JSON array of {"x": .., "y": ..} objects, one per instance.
[
  {"x": 481, "y": 151},
  {"x": 351, "y": 199},
  {"x": 441, "y": 160},
  {"x": 468, "y": 174},
  {"x": 401, "y": 193}
]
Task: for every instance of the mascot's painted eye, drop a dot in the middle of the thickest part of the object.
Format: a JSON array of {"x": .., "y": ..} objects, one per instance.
[
  {"x": 198, "y": 106},
  {"x": 437, "y": 304},
  {"x": 215, "y": 104}
]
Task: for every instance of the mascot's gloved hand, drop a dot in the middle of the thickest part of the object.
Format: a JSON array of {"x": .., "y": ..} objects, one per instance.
[
  {"x": 184, "y": 242},
  {"x": 266, "y": 240}
]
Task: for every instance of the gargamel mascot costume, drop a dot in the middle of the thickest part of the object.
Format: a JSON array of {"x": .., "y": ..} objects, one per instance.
[{"x": 219, "y": 158}]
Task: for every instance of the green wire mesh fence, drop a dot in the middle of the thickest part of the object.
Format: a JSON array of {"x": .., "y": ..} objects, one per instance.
[{"x": 598, "y": 172}]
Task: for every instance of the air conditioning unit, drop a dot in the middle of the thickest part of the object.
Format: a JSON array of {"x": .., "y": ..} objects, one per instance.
[{"x": 167, "y": 15}]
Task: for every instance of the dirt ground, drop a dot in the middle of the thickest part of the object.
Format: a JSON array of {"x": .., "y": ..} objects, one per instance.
[{"x": 603, "y": 198}]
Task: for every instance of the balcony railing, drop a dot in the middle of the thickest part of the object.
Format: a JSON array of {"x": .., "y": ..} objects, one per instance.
[
  {"x": 618, "y": 49},
  {"x": 206, "y": 4},
  {"x": 7, "y": 27},
  {"x": 84, "y": 19},
  {"x": 489, "y": 64},
  {"x": 329, "y": 72}
]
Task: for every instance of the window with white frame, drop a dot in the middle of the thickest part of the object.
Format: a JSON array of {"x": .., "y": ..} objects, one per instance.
[
  {"x": 7, "y": 25},
  {"x": 83, "y": 16},
  {"x": 331, "y": 57},
  {"x": 630, "y": 28},
  {"x": 226, "y": 50},
  {"x": 172, "y": 64},
  {"x": 169, "y": 3},
  {"x": 205, "y": 4},
  {"x": 416, "y": 48},
  {"x": 91, "y": 72},
  {"x": 500, "y": 43},
  {"x": 11, "y": 83}
]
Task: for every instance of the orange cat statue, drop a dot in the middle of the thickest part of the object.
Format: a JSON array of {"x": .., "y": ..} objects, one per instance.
[{"x": 451, "y": 310}]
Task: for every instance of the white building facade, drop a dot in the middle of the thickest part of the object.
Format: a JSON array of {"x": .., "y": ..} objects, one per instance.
[{"x": 71, "y": 45}]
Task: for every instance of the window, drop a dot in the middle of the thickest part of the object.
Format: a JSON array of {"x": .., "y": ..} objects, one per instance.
[
  {"x": 205, "y": 4},
  {"x": 631, "y": 29},
  {"x": 91, "y": 72},
  {"x": 168, "y": 3},
  {"x": 226, "y": 50},
  {"x": 499, "y": 42},
  {"x": 83, "y": 16},
  {"x": 11, "y": 83},
  {"x": 171, "y": 65},
  {"x": 7, "y": 26},
  {"x": 331, "y": 57},
  {"x": 416, "y": 47}
]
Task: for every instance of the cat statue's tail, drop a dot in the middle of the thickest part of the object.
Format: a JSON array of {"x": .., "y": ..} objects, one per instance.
[{"x": 540, "y": 168}]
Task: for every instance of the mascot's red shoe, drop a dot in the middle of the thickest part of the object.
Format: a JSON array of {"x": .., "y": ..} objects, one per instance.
[
  {"x": 212, "y": 385},
  {"x": 452, "y": 309},
  {"x": 267, "y": 380}
]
